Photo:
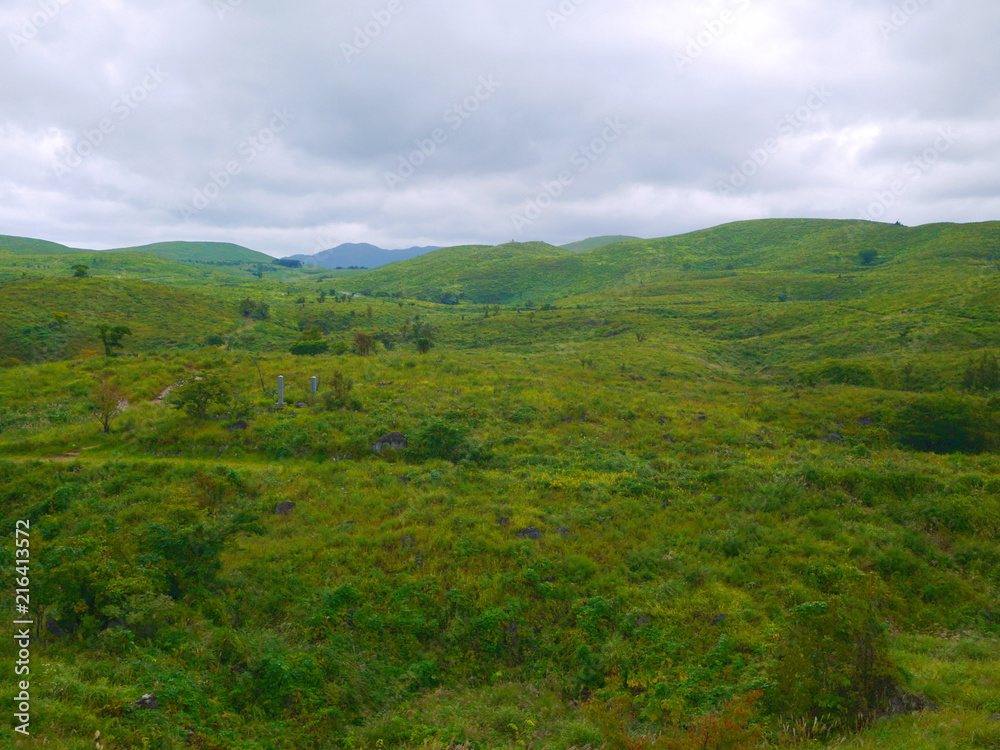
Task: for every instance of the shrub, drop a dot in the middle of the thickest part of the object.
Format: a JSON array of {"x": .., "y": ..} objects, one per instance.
[
  {"x": 982, "y": 375},
  {"x": 438, "y": 438},
  {"x": 339, "y": 395},
  {"x": 841, "y": 373},
  {"x": 831, "y": 666},
  {"x": 197, "y": 396},
  {"x": 944, "y": 423}
]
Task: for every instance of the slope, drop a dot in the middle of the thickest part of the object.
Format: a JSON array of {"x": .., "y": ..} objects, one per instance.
[
  {"x": 474, "y": 273},
  {"x": 592, "y": 243},
  {"x": 44, "y": 319},
  {"x": 200, "y": 252}
]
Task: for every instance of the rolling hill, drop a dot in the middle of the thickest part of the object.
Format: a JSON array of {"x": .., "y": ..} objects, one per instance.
[
  {"x": 592, "y": 243},
  {"x": 200, "y": 252}
]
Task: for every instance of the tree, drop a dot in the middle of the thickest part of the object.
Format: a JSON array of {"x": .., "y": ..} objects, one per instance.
[
  {"x": 983, "y": 375},
  {"x": 80, "y": 271},
  {"x": 253, "y": 309},
  {"x": 945, "y": 423},
  {"x": 363, "y": 344},
  {"x": 424, "y": 345},
  {"x": 111, "y": 337},
  {"x": 867, "y": 257},
  {"x": 108, "y": 403},
  {"x": 197, "y": 396},
  {"x": 310, "y": 342}
]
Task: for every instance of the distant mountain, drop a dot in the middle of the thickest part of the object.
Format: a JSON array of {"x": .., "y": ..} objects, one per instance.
[
  {"x": 593, "y": 243},
  {"x": 360, "y": 254}
]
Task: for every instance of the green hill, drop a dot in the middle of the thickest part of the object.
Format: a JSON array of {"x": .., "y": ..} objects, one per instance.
[
  {"x": 764, "y": 255},
  {"x": 592, "y": 243},
  {"x": 28, "y": 246},
  {"x": 202, "y": 252},
  {"x": 476, "y": 273},
  {"x": 44, "y": 318}
]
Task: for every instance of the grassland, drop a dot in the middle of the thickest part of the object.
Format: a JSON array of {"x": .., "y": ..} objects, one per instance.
[{"x": 671, "y": 503}]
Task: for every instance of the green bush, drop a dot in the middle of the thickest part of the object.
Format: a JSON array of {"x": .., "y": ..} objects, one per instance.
[
  {"x": 437, "y": 438},
  {"x": 831, "y": 666},
  {"x": 945, "y": 423},
  {"x": 840, "y": 373},
  {"x": 198, "y": 396}
]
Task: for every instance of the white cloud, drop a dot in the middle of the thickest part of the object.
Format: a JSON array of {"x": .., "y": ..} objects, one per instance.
[{"x": 322, "y": 179}]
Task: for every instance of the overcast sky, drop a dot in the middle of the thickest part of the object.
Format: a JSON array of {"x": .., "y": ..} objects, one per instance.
[{"x": 295, "y": 126}]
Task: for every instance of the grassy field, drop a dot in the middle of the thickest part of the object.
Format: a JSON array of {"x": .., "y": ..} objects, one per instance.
[{"x": 734, "y": 489}]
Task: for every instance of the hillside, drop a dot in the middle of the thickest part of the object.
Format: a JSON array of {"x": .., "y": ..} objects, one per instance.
[
  {"x": 592, "y": 243},
  {"x": 28, "y": 246},
  {"x": 627, "y": 516},
  {"x": 201, "y": 252},
  {"x": 475, "y": 273},
  {"x": 44, "y": 318}
]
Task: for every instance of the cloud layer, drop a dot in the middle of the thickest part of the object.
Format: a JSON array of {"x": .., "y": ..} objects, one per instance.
[{"x": 295, "y": 127}]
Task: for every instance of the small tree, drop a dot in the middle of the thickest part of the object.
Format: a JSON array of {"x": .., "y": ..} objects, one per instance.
[
  {"x": 339, "y": 394},
  {"x": 310, "y": 342},
  {"x": 197, "y": 396},
  {"x": 424, "y": 345},
  {"x": 253, "y": 309},
  {"x": 111, "y": 337},
  {"x": 832, "y": 662},
  {"x": 867, "y": 257},
  {"x": 363, "y": 344},
  {"x": 80, "y": 271},
  {"x": 108, "y": 403},
  {"x": 982, "y": 375}
]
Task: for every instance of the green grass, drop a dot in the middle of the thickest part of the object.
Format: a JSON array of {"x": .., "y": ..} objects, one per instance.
[
  {"x": 592, "y": 243},
  {"x": 615, "y": 509}
]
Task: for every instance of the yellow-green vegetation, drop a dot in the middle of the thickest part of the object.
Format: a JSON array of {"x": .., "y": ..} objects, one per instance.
[{"x": 735, "y": 489}]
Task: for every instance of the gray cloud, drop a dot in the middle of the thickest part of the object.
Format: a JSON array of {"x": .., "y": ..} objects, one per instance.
[{"x": 118, "y": 116}]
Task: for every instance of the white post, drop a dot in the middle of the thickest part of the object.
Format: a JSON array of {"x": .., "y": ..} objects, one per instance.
[{"x": 281, "y": 390}]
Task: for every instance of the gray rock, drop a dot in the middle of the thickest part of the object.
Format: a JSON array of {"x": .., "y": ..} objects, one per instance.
[
  {"x": 54, "y": 627},
  {"x": 147, "y": 701},
  {"x": 238, "y": 425},
  {"x": 531, "y": 532},
  {"x": 394, "y": 440},
  {"x": 284, "y": 508}
]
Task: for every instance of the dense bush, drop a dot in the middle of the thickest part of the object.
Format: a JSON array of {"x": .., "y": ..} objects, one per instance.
[
  {"x": 945, "y": 423},
  {"x": 831, "y": 667}
]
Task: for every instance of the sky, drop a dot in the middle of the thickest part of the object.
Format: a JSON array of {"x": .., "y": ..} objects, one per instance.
[{"x": 296, "y": 126}]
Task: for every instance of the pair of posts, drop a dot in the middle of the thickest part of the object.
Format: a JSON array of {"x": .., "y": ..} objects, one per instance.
[{"x": 313, "y": 388}]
